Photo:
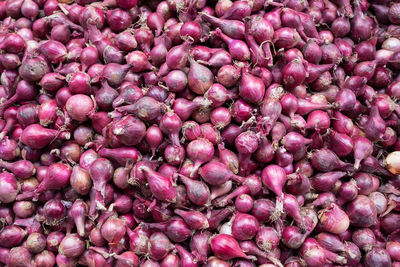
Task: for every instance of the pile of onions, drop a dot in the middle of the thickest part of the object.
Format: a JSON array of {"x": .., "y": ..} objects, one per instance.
[{"x": 199, "y": 133}]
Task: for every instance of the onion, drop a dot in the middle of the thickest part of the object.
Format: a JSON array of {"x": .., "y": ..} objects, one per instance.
[
  {"x": 226, "y": 247},
  {"x": 197, "y": 191},
  {"x": 362, "y": 212},
  {"x": 24, "y": 209},
  {"x": 12, "y": 236},
  {"x": 160, "y": 185},
  {"x": 9, "y": 186},
  {"x": 45, "y": 258},
  {"x": 244, "y": 226},
  {"x": 293, "y": 74},
  {"x": 36, "y": 243},
  {"x": 377, "y": 256},
  {"x": 113, "y": 231},
  {"x": 33, "y": 69},
  {"x": 392, "y": 162},
  {"x": 199, "y": 134},
  {"x": 19, "y": 256},
  {"x": 127, "y": 258},
  {"x": 334, "y": 219},
  {"x": 244, "y": 203},
  {"x": 326, "y": 160},
  {"x": 71, "y": 246},
  {"x": 78, "y": 212}
]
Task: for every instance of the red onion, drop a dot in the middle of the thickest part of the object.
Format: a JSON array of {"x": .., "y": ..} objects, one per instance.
[
  {"x": 199, "y": 151},
  {"x": 195, "y": 220},
  {"x": 244, "y": 203},
  {"x": 78, "y": 212},
  {"x": 267, "y": 238},
  {"x": 177, "y": 57},
  {"x": 11, "y": 236},
  {"x": 316, "y": 254},
  {"x": 176, "y": 229},
  {"x": 71, "y": 246},
  {"x": 377, "y": 256},
  {"x": 128, "y": 130},
  {"x": 293, "y": 74},
  {"x": 362, "y": 212},
  {"x": 340, "y": 26},
  {"x": 274, "y": 178},
  {"x": 36, "y": 243},
  {"x": 294, "y": 141},
  {"x": 22, "y": 169},
  {"x": 246, "y": 143},
  {"x": 9, "y": 186},
  {"x": 380, "y": 201},
  {"x": 128, "y": 154},
  {"x": 334, "y": 219},
  {"x": 362, "y": 149},
  {"x": 191, "y": 130},
  {"x": 244, "y": 226},
  {"x": 374, "y": 127},
  {"x": 237, "y": 48},
  {"x": 226, "y": 247},
  {"x": 187, "y": 259},
  {"x": 200, "y": 78},
  {"x": 286, "y": 37},
  {"x": 197, "y": 191},
  {"x": 325, "y": 181},
  {"x": 171, "y": 124},
  {"x": 159, "y": 185},
  {"x": 228, "y": 75},
  {"x": 19, "y": 256},
  {"x": 138, "y": 240},
  {"x": 150, "y": 263},
  {"x": 45, "y": 258},
  {"x": 137, "y": 87},
  {"x": 113, "y": 230},
  {"x": 24, "y": 209},
  {"x": 127, "y": 258},
  {"x": 326, "y": 160},
  {"x": 217, "y": 216},
  {"x": 232, "y": 28},
  {"x": 340, "y": 143},
  {"x": 251, "y": 88},
  {"x": 220, "y": 117},
  {"x": 154, "y": 138},
  {"x": 347, "y": 192},
  {"x": 57, "y": 177},
  {"x": 54, "y": 212},
  {"x": 216, "y": 173},
  {"x": 199, "y": 245}
]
